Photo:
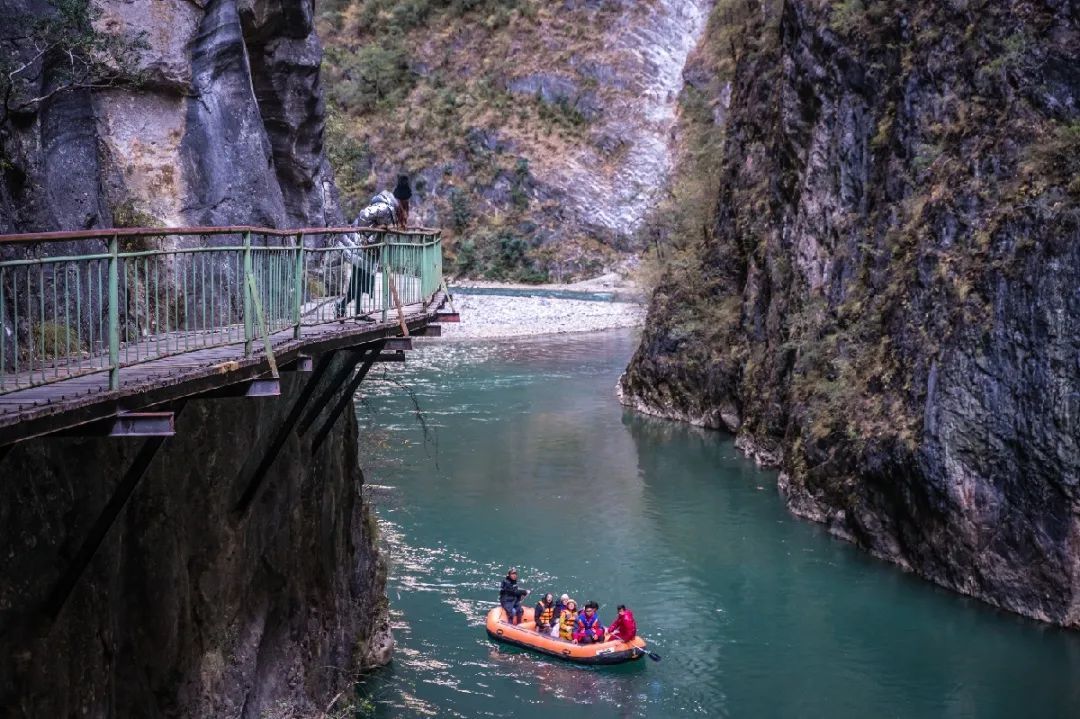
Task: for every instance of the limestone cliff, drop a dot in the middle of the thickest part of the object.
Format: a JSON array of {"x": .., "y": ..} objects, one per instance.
[
  {"x": 189, "y": 113},
  {"x": 881, "y": 297}
]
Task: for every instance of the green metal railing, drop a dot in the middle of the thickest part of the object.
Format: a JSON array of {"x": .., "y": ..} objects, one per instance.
[{"x": 78, "y": 303}]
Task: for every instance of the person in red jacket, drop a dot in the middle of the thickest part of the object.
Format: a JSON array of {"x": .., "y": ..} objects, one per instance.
[
  {"x": 588, "y": 628},
  {"x": 624, "y": 628}
]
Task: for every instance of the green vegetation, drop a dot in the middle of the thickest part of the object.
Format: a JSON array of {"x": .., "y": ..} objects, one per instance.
[
  {"x": 860, "y": 17},
  {"x": 373, "y": 77},
  {"x": 420, "y": 87},
  {"x": 53, "y": 340},
  {"x": 1055, "y": 157},
  {"x": 65, "y": 45}
]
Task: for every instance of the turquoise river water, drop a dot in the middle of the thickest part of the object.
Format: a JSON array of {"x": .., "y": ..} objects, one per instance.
[{"x": 530, "y": 460}]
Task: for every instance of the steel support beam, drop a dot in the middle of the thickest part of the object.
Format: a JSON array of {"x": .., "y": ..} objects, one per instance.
[
  {"x": 390, "y": 357},
  {"x": 429, "y": 331},
  {"x": 336, "y": 379},
  {"x": 127, "y": 424},
  {"x": 56, "y": 598},
  {"x": 252, "y": 475},
  {"x": 398, "y": 344},
  {"x": 449, "y": 317},
  {"x": 344, "y": 399},
  {"x": 301, "y": 363},
  {"x": 268, "y": 387}
]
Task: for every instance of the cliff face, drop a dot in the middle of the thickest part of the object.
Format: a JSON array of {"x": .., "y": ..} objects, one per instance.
[
  {"x": 182, "y": 112},
  {"x": 176, "y": 112},
  {"x": 190, "y": 607},
  {"x": 884, "y": 299}
]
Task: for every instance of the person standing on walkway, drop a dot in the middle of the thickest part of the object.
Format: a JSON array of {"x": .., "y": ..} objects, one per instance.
[
  {"x": 510, "y": 597},
  {"x": 386, "y": 209}
]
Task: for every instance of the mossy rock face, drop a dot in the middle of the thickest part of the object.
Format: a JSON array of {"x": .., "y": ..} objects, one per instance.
[
  {"x": 54, "y": 340},
  {"x": 127, "y": 214},
  {"x": 893, "y": 231}
]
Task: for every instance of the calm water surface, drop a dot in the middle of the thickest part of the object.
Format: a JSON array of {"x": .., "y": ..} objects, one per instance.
[{"x": 529, "y": 460}]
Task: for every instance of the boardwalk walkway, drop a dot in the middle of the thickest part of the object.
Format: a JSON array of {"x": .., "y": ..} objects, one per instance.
[{"x": 256, "y": 303}]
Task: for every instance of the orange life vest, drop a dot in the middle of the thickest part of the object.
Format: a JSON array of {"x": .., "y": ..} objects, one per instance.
[
  {"x": 566, "y": 624},
  {"x": 545, "y": 614}
]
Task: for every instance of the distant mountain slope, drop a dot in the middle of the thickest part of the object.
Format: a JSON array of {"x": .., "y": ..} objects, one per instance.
[{"x": 540, "y": 132}]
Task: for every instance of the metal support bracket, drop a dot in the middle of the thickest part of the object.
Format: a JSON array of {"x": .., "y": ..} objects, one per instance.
[
  {"x": 252, "y": 475},
  {"x": 265, "y": 387},
  {"x": 56, "y": 598},
  {"x": 300, "y": 363},
  {"x": 127, "y": 424},
  {"x": 335, "y": 381},
  {"x": 390, "y": 357},
  {"x": 345, "y": 398}
]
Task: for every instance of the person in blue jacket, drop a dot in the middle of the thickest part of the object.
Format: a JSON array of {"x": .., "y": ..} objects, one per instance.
[
  {"x": 510, "y": 597},
  {"x": 588, "y": 628}
]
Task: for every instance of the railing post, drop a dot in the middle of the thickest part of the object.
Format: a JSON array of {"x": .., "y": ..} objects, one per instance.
[
  {"x": 249, "y": 324},
  {"x": 114, "y": 312},
  {"x": 384, "y": 255},
  {"x": 439, "y": 281},
  {"x": 298, "y": 289}
]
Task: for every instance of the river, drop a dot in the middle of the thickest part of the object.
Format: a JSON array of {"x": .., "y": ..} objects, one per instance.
[{"x": 527, "y": 459}]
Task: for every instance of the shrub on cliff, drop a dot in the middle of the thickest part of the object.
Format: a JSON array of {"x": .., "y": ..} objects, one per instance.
[{"x": 63, "y": 51}]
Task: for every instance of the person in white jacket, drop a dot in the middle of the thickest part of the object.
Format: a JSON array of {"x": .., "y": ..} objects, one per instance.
[{"x": 386, "y": 209}]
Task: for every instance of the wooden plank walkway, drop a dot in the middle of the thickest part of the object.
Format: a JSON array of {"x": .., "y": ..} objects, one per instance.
[{"x": 68, "y": 403}]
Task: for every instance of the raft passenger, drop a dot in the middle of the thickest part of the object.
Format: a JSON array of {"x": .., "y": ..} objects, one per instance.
[
  {"x": 545, "y": 614},
  {"x": 510, "y": 597},
  {"x": 624, "y": 628},
  {"x": 588, "y": 629},
  {"x": 560, "y": 607},
  {"x": 567, "y": 619}
]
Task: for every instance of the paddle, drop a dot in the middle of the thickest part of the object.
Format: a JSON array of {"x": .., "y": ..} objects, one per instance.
[{"x": 652, "y": 655}]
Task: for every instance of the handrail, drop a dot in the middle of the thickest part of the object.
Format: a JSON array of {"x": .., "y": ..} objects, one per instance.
[
  {"x": 67, "y": 316},
  {"x": 105, "y": 233}
]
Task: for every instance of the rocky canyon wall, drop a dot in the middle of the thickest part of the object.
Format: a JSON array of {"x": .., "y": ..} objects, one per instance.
[
  {"x": 193, "y": 606},
  {"x": 176, "y": 112},
  {"x": 883, "y": 299},
  {"x": 189, "y": 113}
]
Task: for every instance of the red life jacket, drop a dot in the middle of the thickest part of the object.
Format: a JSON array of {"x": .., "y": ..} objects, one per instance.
[{"x": 625, "y": 626}]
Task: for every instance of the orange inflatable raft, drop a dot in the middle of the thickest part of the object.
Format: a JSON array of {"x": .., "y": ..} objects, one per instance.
[{"x": 524, "y": 635}]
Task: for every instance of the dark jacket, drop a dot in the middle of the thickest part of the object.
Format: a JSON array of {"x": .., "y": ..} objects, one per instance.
[{"x": 509, "y": 592}]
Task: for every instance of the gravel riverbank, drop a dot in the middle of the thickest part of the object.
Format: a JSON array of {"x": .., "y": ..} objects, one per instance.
[{"x": 495, "y": 317}]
